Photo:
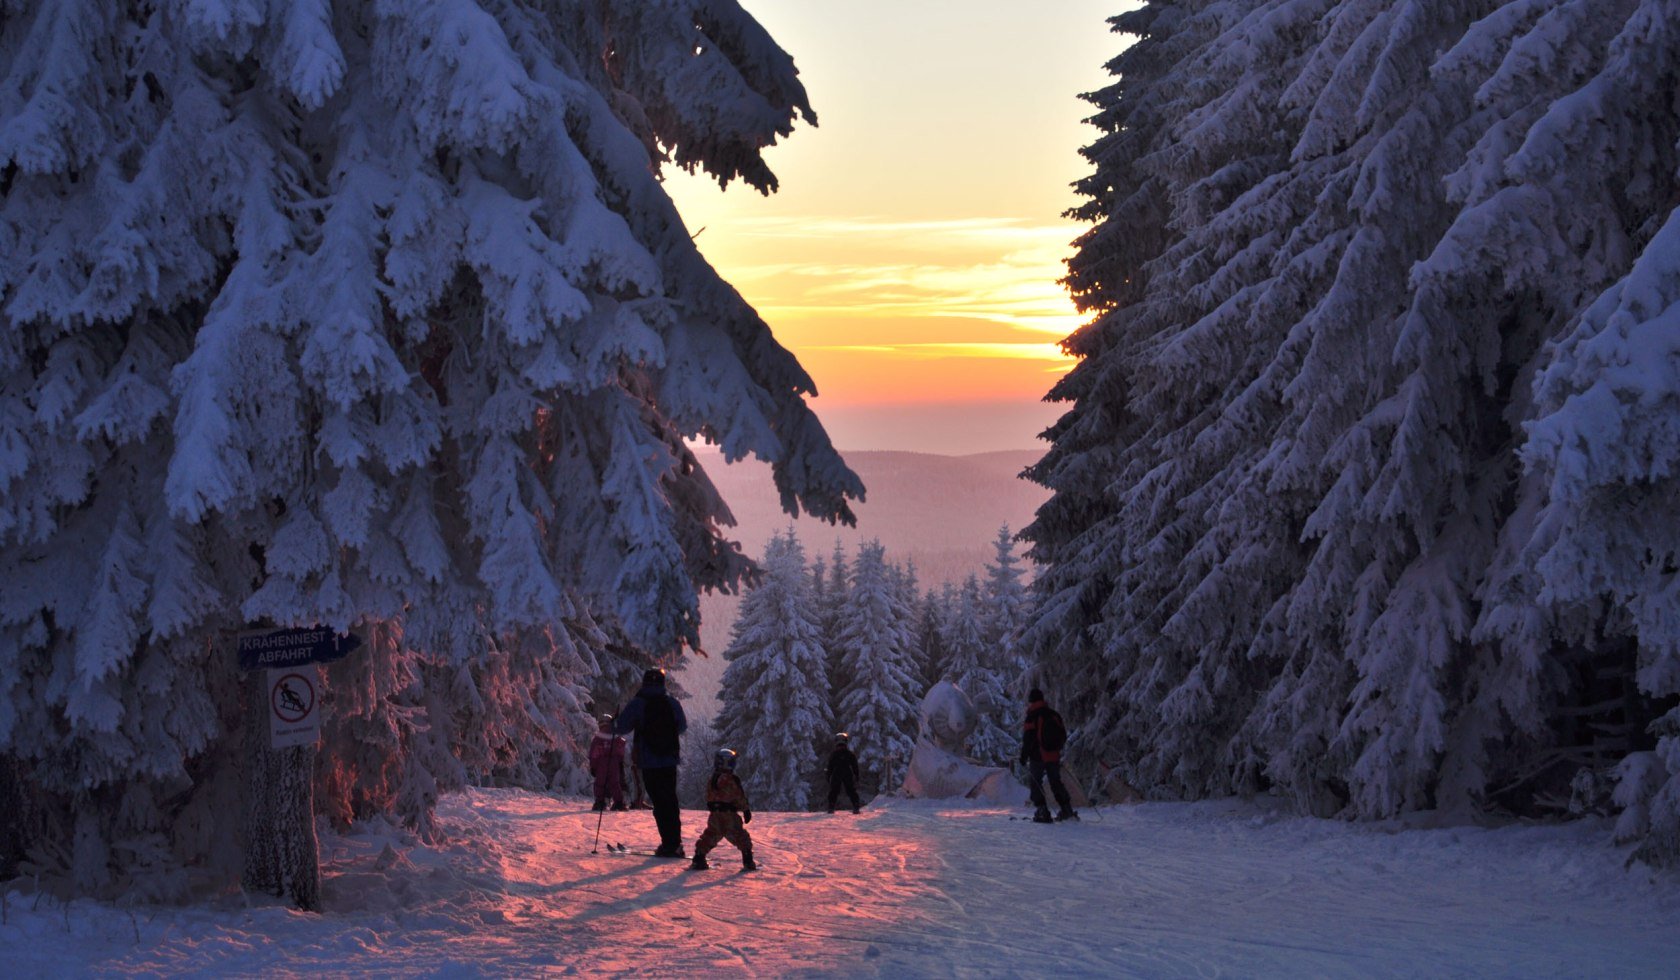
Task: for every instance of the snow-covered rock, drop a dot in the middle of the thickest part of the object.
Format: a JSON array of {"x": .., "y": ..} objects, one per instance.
[{"x": 938, "y": 769}]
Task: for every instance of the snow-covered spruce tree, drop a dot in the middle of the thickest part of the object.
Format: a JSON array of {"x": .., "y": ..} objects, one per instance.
[
  {"x": 1593, "y": 548},
  {"x": 819, "y": 583},
  {"x": 1356, "y": 494},
  {"x": 879, "y": 703},
  {"x": 1110, "y": 275},
  {"x": 1171, "y": 389},
  {"x": 907, "y": 583},
  {"x": 1006, "y": 610},
  {"x": 774, "y": 698},
  {"x": 930, "y": 646},
  {"x": 362, "y": 315},
  {"x": 976, "y": 666},
  {"x": 699, "y": 744},
  {"x": 832, "y": 610},
  {"x": 1402, "y": 466}
]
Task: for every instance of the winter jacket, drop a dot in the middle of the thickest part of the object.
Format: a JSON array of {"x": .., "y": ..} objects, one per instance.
[
  {"x": 725, "y": 792},
  {"x": 606, "y": 753},
  {"x": 1029, "y": 735},
  {"x": 842, "y": 763},
  {"x": 634, "y": 719}
]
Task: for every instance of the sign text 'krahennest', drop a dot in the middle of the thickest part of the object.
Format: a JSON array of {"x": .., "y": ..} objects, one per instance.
[{"x": 276, "y": 649}]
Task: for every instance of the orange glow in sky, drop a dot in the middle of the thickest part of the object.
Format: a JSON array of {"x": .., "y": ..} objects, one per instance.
[{"x": 911, "y": 258}]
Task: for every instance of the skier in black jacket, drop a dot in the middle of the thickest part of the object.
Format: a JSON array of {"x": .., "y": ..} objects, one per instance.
[
  {"x": 842, "y": 772},
  {"x": 658, "y": 721}
]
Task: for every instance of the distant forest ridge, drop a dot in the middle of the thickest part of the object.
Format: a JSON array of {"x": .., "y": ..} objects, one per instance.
[
  {"x": 942, "y": 512},
  {"x": 919, "y": 505}
]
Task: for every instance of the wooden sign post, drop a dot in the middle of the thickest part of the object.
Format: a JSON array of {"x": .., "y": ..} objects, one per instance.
[{"x": 283, "y": 723}]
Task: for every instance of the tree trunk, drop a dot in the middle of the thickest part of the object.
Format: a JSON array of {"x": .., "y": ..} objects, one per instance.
[
  {"x": 20, "y": 825},
  {"x": 281, "y": 854}
]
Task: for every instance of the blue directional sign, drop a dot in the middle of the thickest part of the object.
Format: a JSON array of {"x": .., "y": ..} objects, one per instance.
[{"x": 268, "y": 649}]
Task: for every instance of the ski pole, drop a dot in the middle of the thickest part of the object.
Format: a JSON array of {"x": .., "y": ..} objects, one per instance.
[{"x": 599, "y": 816}]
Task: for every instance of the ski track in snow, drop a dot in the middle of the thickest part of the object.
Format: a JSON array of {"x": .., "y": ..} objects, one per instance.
[{"x": 911, "y": 888}]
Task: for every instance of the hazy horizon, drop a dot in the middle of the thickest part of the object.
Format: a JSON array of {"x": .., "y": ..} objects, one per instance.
[{"x": 957, "y": 429}]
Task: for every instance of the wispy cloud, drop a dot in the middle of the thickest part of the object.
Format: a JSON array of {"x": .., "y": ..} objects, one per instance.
[
  {"x": 998, "y": 269},
  {"x": 990, "y": 350},
  {"x": 866, "y": 226}
]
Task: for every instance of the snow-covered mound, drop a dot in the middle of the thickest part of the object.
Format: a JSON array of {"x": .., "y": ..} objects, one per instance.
[
  {"x": 912, "y": 888},
  {"x": 938, "y": 769}
]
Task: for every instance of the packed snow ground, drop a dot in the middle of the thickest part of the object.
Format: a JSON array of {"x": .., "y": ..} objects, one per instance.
[{"x": 909, "y": 889}]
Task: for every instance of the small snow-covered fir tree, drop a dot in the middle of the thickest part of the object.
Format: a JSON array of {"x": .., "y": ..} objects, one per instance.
[
  {"x": 930, "y": 618},
  {"x": 832, "y": 610},
  {"x": 879, "y": 703},
  {"x": 774, "y": 698},
  {"x": 977, "y": 666},
  {"x": 370, "y": 315},
  {"x": 909, "y": 594},
  {"x": 1006, "y": 609}
]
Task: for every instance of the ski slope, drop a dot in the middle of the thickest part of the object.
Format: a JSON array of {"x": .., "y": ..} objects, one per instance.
[{"x": 912, "y": 888}]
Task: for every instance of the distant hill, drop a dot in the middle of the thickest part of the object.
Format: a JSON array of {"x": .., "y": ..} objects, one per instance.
[{"x": 942, "y": 512}]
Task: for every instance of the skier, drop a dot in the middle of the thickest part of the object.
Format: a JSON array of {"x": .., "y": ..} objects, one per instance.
[
  {"x": 606, "y": 764},
  {"x": 658, "y": 721},
  {"x": 842, "y": 772},
  {"x": 1042, "y": 738},
  {"x": 726, "y": 798}
]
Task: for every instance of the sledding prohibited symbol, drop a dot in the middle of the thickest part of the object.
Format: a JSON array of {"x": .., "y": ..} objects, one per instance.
[{"x": 294, "y": 716}]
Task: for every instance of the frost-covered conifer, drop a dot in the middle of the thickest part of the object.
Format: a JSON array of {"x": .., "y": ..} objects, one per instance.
[
  {"x": 1596, "y": 174},
  {"x": 977, "y": 666},
  {"x": 878, "y": 705},
  {"x": 930, "y": 645},
  {"x": 819, "y": 583},
  {"x": 1356, "y": 492},
  {"x": 832, "y": 610},
  {"x": 366, "y": 315},
  {"x": 1006, "y": 609},
  {"x": 774, "y": 698},
  {"x": 909, "y": 594}
]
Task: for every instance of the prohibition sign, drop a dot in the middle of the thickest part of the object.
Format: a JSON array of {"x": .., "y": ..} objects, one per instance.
[{"x": 292, "y": 702}]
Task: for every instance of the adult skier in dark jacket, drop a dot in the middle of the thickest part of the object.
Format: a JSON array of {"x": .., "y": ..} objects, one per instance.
[
  {"x": 842, "y": 772},
  {"x": 1042, "y": 737},
  {"x": 658, "y": 721}
]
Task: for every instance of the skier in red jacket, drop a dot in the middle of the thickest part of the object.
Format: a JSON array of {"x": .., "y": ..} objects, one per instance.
[
  {"x": 1042, "y": 738},
  {"x": 606, "y": 764}
]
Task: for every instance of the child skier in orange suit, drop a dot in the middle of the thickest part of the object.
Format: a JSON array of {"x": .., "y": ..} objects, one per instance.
[{"x": 726, "y": 798}]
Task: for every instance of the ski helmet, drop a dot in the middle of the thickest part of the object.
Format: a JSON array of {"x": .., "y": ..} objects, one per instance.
[
  {"x": 605, "y": 719},
  {"x": 724, "y": 759},
  {"x": 842, "y": 737},
  {"x": 653, "y": 677}
]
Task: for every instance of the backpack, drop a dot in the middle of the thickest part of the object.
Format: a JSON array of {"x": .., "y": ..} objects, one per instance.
[
  {"x": 1052, "y": 732},
  {"x": 658, "y": 733}
]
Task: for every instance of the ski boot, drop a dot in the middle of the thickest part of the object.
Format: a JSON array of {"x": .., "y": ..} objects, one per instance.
[
  {"x": 598, "y": 807},
  {"x": 699, "y": 864},
  {"x": 1066, "y": 813},
  {"x": 857, "y": 809},
  {"x": 747, "y": 862},
  {"x": 1042, "y": 815}
]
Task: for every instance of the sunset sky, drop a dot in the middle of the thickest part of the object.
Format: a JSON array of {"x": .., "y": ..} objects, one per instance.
[{"x": 911, "y": 257}]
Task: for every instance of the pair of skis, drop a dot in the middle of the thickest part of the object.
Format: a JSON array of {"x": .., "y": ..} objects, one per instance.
[{"x": 1076, "y": 796}]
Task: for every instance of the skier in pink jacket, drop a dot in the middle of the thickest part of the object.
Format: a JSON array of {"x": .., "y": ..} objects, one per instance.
[{"x": 606, "y": 764}]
